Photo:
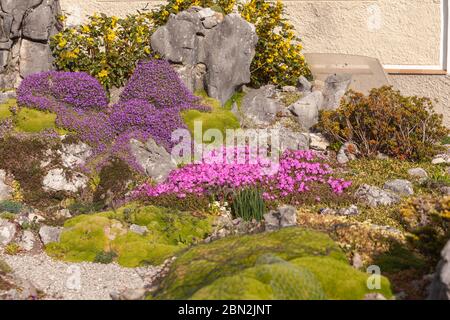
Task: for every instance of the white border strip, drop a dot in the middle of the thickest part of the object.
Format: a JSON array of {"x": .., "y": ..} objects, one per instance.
[{"x": 444, "y": 47}]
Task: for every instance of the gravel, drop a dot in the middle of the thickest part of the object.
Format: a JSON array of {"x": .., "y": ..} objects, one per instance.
[{"x": 78, "y": 281}]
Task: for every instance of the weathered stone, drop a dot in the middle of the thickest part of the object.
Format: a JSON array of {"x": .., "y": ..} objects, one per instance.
[
  {"x": 259, "y": 107},
  {"x": 25, "y": 29},
  {"x": 304, "y": 85},
  {"x": 418, "y": 173},
  {"x": 288, "y": 216},
  {"x": 154, "y": 159},
  {"x": 5, "y": 190},
  {"x": 399, "y": 186},
  {"x": 193, "y": 76},
  {"x": 307, "y": 109},
  {"x": 441, "y": 159},
  {"x": 318, "y": 142},
  {"x": 350, "y": 211},
  {"x": 34, "y": 57},
  {"x": 141, "y": 230},
  {"x": 7, "y": 232},
  {"x": 39, "y": 23},
  {"x": 75, "y": 154},
  {"x": 335, "y": 88},
  {"x": 374, "y": 196},
  {"x": 59, "y": 180},
  {"x": 27, "y": 241},
  {"x": 440, "y": 287},
  {"x": 225, "y": 45},
  {"x": 292, "y": 140},
  {"x": 50, "y": 234},
  {"x": 285, "y": 216},
  {"x": 357, "y": 261},
  {"x": 348, "y": 152}
]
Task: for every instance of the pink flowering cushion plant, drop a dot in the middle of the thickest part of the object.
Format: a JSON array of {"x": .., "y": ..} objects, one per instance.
[{"x": 297, "y": 173}]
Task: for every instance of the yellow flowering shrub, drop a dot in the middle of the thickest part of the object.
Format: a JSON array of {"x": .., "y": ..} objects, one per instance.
[
  {"x": 105, "y": 47},
  {"x": 278, "y": 58}
]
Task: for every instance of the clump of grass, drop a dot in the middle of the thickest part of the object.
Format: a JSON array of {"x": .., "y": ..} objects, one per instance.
[
  {"x": 105, "y": 257},
  {"x": 236, "y": 98},
  {"x": 12, "y": 249},
  {"x": 248, "y": 204},
  {"x": 10, "y": 206}
]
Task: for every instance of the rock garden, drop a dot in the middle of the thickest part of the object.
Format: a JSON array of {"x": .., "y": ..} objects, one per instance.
[{"x": 104, "y": 193}]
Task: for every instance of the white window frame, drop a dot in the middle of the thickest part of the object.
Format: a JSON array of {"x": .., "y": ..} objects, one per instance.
[{"x": 443, "y": 67}]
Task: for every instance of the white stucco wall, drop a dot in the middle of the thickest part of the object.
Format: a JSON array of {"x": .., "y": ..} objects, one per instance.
[{"x": 397, "y": 32}]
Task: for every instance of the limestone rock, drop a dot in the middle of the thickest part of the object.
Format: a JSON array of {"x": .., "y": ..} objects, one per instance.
[
  {"x": 50, "y": 234},
  {"x": 335, "y": 88},
  {"x": 7, "y": 232},
  {"x": 224, "y": 45},
  {"x": 34, "y": 57},
  {"x": 75, "y": 154},
  {"x": 141, "y": 230},
  {"x": 5, "y": 190},
  {"x": 259, "y": 107},
  {"x": 57, "y": 180},
  {"x": 318, "y": 142},
  {"x": 293, "y": 140},
  {"x": 154, "y": 159},
  {"x": 418, "y": 173},
  {"x": 27, "y": 241},
  {"x": 307, "y": 109},
  {"x": 440, "y": 287},
  {"x": 400, "y": 187},
  {"x": 374, "y": 196},
  {"x": 304, "y": 85},
  {"x": 441, "y": 159},
  {"x": 348, "y": 152},
  {"x": 284, "y": 216}
]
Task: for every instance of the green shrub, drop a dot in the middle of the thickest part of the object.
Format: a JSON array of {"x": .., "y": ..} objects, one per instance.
[
  {"x": 248, "y": 204},
  {"x": 99, "y": 47},
  {"x": 386, "y": 122}
]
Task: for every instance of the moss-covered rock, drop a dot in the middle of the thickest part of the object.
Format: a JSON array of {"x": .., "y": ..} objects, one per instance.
[
  {"x": 304, "y": 265},
  {"x": 169, "y": 231}
]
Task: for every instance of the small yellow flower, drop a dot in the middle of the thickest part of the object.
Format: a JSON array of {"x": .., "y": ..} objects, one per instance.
[
  {"x": 111, "y": 36},
  {"x": 86, "y": 29},
  {"x": 62, "y": 43},
  {"x": 103, "y": 74}
]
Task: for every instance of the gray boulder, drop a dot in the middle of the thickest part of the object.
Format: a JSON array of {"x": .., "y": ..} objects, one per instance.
[
  {"x": 348, "y": 152},
  {"x": 5, "y": 190},
  {"x": 440, "y": 287},
  {"x": 293, "y": 140},
  {"x": 441, "y": 159},
  {"x": 214, "y": 51},
  {"x": 50, "y": 234},
  {"x": 304, "y": 85},
  {"x": 318, "y": 142},
  {"x": 259, "y": 107},
  {"x": 307, "y": 109},
  {"x": 27, "y": 241},
  {"x": 335, "y": 88},
  {"x": 374, "y": 196},
  {"x": 418, "y": 173},
  {"x": 285, "y": 216},
  {"x": 75, "y": 154},
  {"x": 154, "y": 159},
  {"x": 400, "y": 187},
  {"x": 8, "y": 232},
  {"x": 25, "y": 29},
  {"x": 59, "y": 180}
]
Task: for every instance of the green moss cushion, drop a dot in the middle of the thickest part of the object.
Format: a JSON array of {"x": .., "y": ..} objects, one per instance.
[
  {"x": 169, "y": 231},
  {"x": 292, "y": 263}
]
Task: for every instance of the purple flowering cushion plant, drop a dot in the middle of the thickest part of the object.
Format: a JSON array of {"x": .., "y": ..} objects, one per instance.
[{"x": 46, "y": 90}]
